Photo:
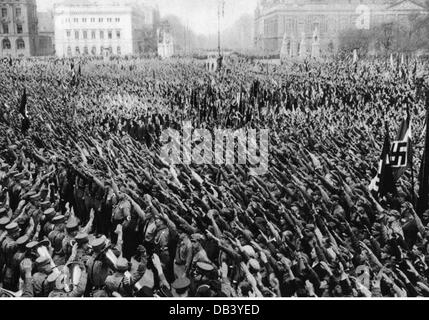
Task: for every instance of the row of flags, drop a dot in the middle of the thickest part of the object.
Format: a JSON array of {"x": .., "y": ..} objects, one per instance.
[
  {"x": 401, "y": 65},
  {"x": 397, "y": 157}
]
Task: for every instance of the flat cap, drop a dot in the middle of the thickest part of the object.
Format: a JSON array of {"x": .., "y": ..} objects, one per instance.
[
  {"x": 82, "y": 238},
  {"x": 31, "y": 245},
  {"x": 4, "y": 222},
  {"x": 22, "y": 240},
  {"x": 72, "y": 224},
  {"x": 12, "y": 227},
  {"x": 204, "y": 266},
  {"x": 122, "y": 265},
  {"x": 49, "y": 212},
  {"x": 59, "y": 219},
  {"x": 98, "y": 244},
  {"x": 45, "y": 205},
  {"x": 42, "y": 261},
  {"x": 181, "y": 284}
]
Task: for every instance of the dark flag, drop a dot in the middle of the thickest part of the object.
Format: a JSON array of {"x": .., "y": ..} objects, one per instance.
[
  {"x": 79, "y": 71},
  {"x": 401, "y": 150},
  {"x": 23, "y": 104},
  {"x": 383, "y": 183},
  {"x": 415, "y": 69},
  {"x": 25, "y": 124},
  {"x": 10, "y": 62},
  {"x": 422, "y": 205}
]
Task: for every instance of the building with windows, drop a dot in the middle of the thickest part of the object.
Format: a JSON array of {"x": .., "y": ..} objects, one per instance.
[
  {"x": 46, "y": 34},
  {"x": 165, "y": 41},
  {"x": 18, "y": 28},
  {"x": 84, "y": 27},
  {"x": 293, "y": 26}
]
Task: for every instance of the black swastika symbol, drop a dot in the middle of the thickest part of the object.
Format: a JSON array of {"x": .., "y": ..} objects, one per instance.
[{"x": 399, "y": 154}]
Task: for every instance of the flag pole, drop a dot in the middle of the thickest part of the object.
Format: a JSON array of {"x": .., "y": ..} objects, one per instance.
[
  {"x": 218, "y": 27},
  {"x": 413, "y": 194},
  {"x": 424, "y": 183}
]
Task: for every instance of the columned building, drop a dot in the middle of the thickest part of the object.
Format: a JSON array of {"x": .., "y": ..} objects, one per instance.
[
  {"x": 18, "y": 28},
  {"x": 292, "y": 26},
  {"x": 46, "y": 37},
  {"x": 165, "y": 41},
  {"x": 84, "y": 27}
]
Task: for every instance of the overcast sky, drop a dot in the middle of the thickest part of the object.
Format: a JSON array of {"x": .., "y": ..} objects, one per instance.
[{"x": 200, "y": 14}]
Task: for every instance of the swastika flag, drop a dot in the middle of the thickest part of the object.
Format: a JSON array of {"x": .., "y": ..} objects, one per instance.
[
  {"x": 383, "y": 183},
  {"x": 401, "y": 150}
]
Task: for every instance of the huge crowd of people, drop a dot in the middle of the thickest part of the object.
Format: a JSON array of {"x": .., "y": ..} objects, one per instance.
[{"x": 88, "y": 208}]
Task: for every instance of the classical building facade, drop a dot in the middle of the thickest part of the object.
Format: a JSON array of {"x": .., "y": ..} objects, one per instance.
[
  {"x": 101, "y": 28},
  {"x": 308, "y": 27},
  {"x": 18, "y": 28},
  {"x": 46, "y": 36},
  {"x": 165, "y": 41}
]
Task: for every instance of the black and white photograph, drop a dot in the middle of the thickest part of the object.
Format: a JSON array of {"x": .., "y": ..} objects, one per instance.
[{"x": 214, "y": 150}]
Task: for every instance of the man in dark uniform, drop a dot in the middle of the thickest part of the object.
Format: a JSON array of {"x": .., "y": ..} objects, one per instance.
[
  {"x": 9, "y": 248},
  {"x": 65, "y": 185},
  {"x": 166, "y": 233},
  {"x": 203, "y": 273},
  {"x": 56, "y": 238},
  {"x": 99, "y": 265},
  {"x": 40, "y": 277},
  {"x": 79, "y": 197},
  {"x": 18, "y": 257},
  {"x": 120, "y": 282},
  {"x": 47, "y": 225},
  {"x": 180, "y": 287},
  {"x": 72, "y": 228},
  {"x": 14, "y": 189},
  {"x": 84, "y": 251},
  {"x": 3, "y": 233}
]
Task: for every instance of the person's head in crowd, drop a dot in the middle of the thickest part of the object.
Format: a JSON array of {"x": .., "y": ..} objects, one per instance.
[
  {"x": 180, "y": 287},
  {"x": 197, "y": 240},
  {"x": 13, "y": 230},
  {"x": 72, "y": 227},
  {"x": 82, "y": 240}
]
